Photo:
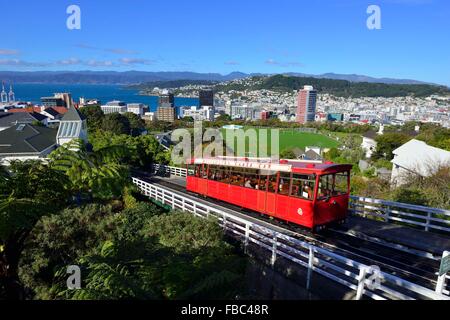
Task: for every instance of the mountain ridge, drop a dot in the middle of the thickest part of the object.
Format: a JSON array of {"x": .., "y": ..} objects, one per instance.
[{"x": 138, "y": 77}]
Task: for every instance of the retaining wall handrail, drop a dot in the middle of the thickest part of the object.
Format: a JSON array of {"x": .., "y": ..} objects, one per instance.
[
  {"x": 426, "y": 218},
  {"x": 347, "y": 272}
]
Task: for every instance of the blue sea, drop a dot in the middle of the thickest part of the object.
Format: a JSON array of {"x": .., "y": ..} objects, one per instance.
[{"x": 105, "y": 93}]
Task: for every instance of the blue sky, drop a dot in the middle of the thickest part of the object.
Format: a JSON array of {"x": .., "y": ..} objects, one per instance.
[{"x": 269, "y": 36}]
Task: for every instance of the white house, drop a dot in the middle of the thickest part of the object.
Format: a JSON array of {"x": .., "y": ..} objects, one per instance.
[
  {"x": 417, "y": 157},
  {"x": 369, "y": 144},
  {"x": 72, "y": 126},
  {"x": 136, "y": 108}
]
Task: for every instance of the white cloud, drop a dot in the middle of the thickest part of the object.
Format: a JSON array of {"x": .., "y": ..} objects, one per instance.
[
  {"x": 8, "y": 52},
  {"x": 132, "y": 61},
  {"x": 283, "y": 64}
]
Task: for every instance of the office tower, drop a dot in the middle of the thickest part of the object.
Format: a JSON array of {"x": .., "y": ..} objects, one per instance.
[
  {"x": 166, "y": 98},
  {"x": 166, "y": 113},
  {"x": 66, "y": 97},
  {"x": 206, "y": 97},
  {"x": 306, "y": 105}
]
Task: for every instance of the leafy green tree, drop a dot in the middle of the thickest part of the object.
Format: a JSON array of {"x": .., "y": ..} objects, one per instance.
[
  {"x": 410, "y": 195},
  {"x": 94, "y": 174},
  {"x": 29, "y": 191},
  {"x": 205, "y": 267},
  {"x": 142, "y": 150},
  {"x": 288, "y": 154},
  {"x": 94, "y": 116},
  {"x": 116, "y": 123},
  {"x": 137, "y": 125},
  {"x": 58, "y": 240},
  {"x": 387, "y": 143}
]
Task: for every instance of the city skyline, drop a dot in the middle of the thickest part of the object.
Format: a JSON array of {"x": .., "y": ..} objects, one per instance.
[{"x": 251, "y": 37}]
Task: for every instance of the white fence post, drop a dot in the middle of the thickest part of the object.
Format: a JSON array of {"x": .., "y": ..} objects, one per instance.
[
  {"x": 388, "y": 213},
  {"x": 247, "y": 236},
  {"x": 274, "y": 251},
  {"x": 441, "y": 279},
  {"x": 310, "y": 268},
  {"x": 361, "y": 282},
  {"x": 427, "y": 226}
]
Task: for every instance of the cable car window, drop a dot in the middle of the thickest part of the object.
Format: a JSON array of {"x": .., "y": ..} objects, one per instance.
[
  {"x": 272, "y": 187},
  {"x": 198, "y": 170},
  {"x": 191, "y": 170},
  {"x": 262, "y": 183},
  {"x": 213, "y": 171},
  {"x": 204, "y": 172},
  {"x": 303, "y": 186},
  {"x": 332, "y": 185},
  {"x": 251, "y": 178},
  {"x": 237, "y": 177},
  {"x": 285, "y": 183}
]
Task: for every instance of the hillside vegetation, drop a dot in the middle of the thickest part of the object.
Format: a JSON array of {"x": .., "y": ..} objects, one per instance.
[{"x": 340, "y": 88}]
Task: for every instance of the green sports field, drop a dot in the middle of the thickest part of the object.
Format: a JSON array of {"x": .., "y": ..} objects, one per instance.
[{"x": 288, "y": 139}]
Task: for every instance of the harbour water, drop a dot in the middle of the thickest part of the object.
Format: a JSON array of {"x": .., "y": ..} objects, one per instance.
[{"x": 105, "y": 93}]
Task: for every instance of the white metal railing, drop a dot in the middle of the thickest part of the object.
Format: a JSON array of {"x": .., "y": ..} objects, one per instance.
[
  {"x": 352, "y": 274},
  {"x": 175, "y": 171},
  {"x": 430, "y": 219}
]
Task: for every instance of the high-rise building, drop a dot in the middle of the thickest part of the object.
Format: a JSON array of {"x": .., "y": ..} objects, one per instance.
[
  {"x": 166, "y": 113},
  {"x": 66, "y": 97},
  {"x": 166, "y": 108},
  {"x": 306, "y": 105},
  {"x": 53, "y": 102},
  {"x": 167, "y": 97},
  {"x": 206, "y": 97}
]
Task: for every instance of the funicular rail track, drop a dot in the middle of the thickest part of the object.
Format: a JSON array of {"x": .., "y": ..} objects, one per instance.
[
  {"x": 404, "y": 272},
  {"x": 418, "y": 269}
]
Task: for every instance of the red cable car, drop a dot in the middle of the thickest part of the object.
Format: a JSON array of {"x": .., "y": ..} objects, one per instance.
[{"x": 307, "y": 193}]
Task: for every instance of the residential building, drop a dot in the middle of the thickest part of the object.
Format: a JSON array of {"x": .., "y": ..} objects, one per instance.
[
  {"x": 26, "y": 142},
  {"x": 306, "y": 105},
  {"x": 8, "y": 120},
  {"x": 72, "y": 126},
  {"x": 417, "y": 157}
]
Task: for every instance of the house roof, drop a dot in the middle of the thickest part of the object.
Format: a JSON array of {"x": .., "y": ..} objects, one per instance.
[
  {"x": 370, "y": 134},
  {"x": 10, "y": 119},
  {"x": 73, "y": 115},
  {"x": 52, "y": 112},
  {"x": 28, "y": 109},
  {"x": 419, "y": 157},
  {"x": 26, "y": 139},
  {"x": 312, "y": 155}
]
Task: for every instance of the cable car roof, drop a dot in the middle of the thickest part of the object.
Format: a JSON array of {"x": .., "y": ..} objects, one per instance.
[{"x": 296, "y": 166}]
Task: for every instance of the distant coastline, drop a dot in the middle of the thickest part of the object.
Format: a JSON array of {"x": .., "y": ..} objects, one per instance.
[{"x": 32, "y": 92}]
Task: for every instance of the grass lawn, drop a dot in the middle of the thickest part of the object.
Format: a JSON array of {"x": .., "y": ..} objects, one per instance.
[{"x": 289, "y": 139}]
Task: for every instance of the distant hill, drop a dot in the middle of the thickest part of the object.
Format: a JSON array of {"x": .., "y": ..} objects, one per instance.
[
  {"x": 172, "y": 84},
  {"x": 138, "y": 77},
  {"x": 340, "y": 88},
  {"x": 358, "y": 78},
  {"x": 111, "y": 77}
]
